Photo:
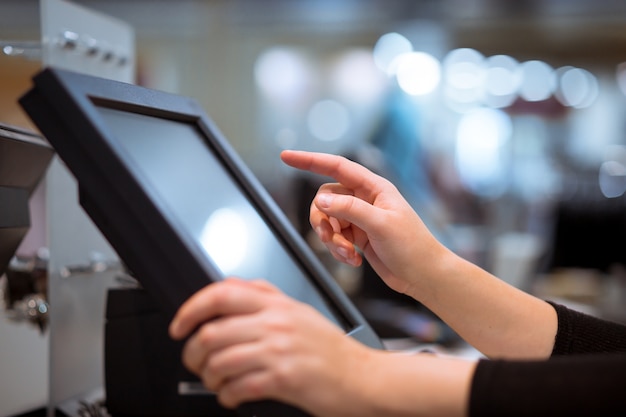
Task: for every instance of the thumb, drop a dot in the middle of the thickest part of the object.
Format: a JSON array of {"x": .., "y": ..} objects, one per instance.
[{"x": 352, "y": 209}]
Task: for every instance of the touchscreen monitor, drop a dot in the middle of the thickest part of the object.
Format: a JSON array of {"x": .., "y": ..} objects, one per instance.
[
  {"x": 174, "y": 199},
  {"x": 193, "y": 189}
]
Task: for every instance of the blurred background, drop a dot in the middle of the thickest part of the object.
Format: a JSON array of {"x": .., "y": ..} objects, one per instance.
[{"x": 501, "y": 121}]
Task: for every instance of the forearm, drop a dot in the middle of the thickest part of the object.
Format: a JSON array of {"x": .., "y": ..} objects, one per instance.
[
  {"x": 365, "y": 211},
  {"x": 496, "y": 318},
  {"x": 400, "y": 385}
]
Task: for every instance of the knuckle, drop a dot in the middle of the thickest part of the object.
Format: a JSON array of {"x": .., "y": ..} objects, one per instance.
[
  {"x": 283, "y": 376},
  {"x": 277, "y": 325},
  {"x": 280, "y": 346},
  {"x": 345, "y": 203},
  {"x": 221, "y": 295},
  {"x": 212, "y": 368},
  {"x": 209, "y": 380},
  {"x": 256, "y": 388},
  {"x": 206, "y": 336}
]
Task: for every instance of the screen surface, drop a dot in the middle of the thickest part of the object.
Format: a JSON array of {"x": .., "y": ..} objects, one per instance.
[{"x": 192, "y": 187}]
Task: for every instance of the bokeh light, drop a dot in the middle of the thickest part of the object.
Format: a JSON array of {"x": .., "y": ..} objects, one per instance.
[
  {"x": 355, "y": 77},
  {"x": 418, "y": 73},
  {"x": 328, "y": 120},
  {"x": 577, "y": 87},
  {"x": 502, "y": 80},
  {"x": 464, "y": 74},
  {"x": 286, "y": 138},
  {"x": 612, "y": 179},
  {"x": 612, "y": 172},
  {"x": 538, "y": 82},
  {"x": 481, "y": 135},
  {"x": 283, "y": 74},
  {"x": 225, "y": 237},
  {"x": 388, "y": 48}
]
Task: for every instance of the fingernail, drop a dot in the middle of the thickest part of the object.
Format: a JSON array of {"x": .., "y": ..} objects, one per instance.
[
  {"x": 325, "y": 200},
  {"x": 353, "y": 261},
  {"x": 343, "y": 252}
]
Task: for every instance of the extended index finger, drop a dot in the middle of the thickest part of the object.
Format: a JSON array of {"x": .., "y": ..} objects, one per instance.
[{"x": 348, "y": 173}]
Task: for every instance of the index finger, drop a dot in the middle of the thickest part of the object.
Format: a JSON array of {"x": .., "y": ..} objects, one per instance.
[
  {"x": 231, "y": 296},
  {"x": 348, "y": 173}
]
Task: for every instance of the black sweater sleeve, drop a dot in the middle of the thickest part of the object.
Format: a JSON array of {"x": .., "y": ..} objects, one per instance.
[
  {"x": 579, "y": 333},
  {"x": 586, "y": 375}
]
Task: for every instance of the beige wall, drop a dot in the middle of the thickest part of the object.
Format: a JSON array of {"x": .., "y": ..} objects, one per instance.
[{"x": 15, "y": 79}]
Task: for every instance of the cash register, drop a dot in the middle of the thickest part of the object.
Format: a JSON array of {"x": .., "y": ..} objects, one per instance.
[{"x": 24, "y": 159}]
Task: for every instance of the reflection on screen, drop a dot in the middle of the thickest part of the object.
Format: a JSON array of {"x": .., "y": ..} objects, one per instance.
[{"x": 183, "y": 176}]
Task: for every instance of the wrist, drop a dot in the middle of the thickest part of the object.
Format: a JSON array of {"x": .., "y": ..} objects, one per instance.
[
  {"x": 418, "y": 385},
  {"x": 431, "y": 275}
]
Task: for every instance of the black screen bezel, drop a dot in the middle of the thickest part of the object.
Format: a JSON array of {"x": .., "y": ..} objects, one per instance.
[
  {"x": 168, "y": 215},
  {"x": 64, "y": 106}
]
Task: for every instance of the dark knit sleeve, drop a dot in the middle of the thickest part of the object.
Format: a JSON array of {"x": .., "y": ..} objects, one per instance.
[
  {"x": 586, "y": 375},
  {"x": 580, "y": 333},
  {"x": 577, "y": 385}
]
